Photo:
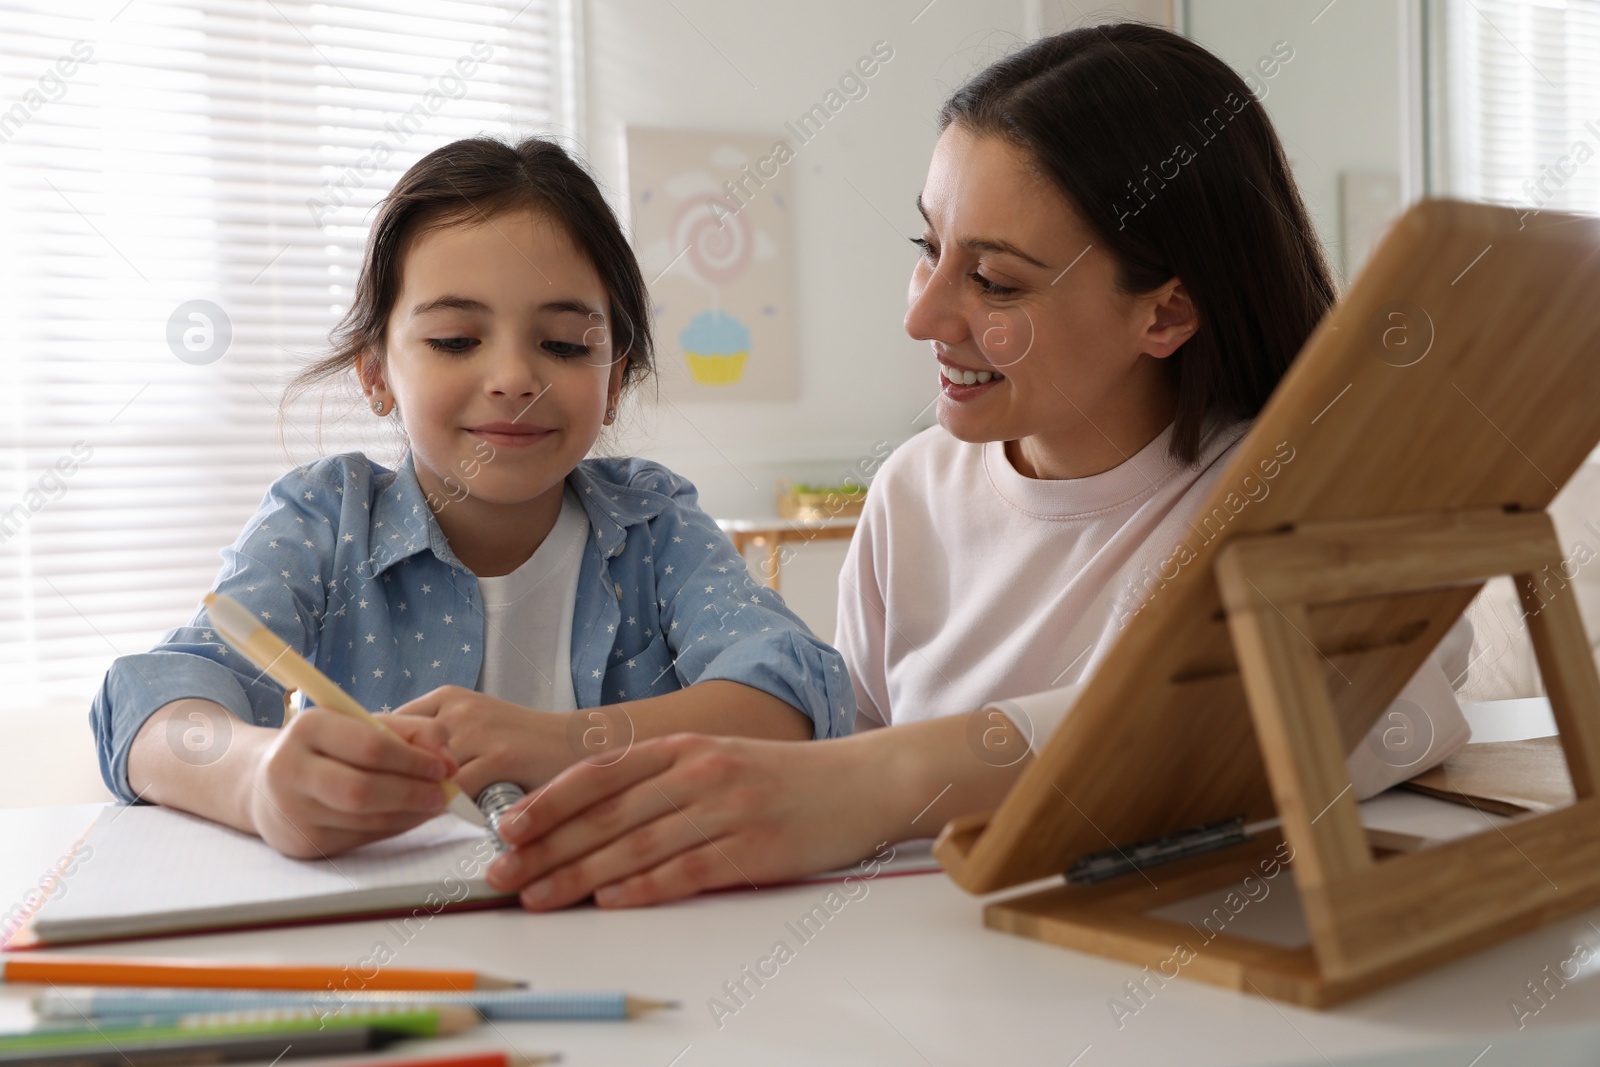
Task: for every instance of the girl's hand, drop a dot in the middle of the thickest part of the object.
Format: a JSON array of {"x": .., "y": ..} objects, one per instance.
[
  {"x": 682, "y": 814},
  {"x": 494, "y": 740},
  {"x": 327, "y": 783}
]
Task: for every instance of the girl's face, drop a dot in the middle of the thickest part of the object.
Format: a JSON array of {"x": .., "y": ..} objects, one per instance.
[
  {"x": 498, "y": 359},
  {"x": 1034, "y": 341}
]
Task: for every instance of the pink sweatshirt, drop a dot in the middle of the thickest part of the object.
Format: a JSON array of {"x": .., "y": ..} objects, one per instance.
[{"x": 968, "y": 585}]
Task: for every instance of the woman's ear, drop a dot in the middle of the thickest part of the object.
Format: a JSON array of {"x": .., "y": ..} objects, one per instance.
[{"x": 1170, "y": 319}]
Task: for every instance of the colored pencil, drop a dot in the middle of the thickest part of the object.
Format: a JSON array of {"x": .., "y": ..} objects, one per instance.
[
  {"x": 412, "y": 1020},
  {"x": 211, "y": 974},
  {"x": 271, "y": 1033},
  {"x": 293, "y": 671},
  {"x": 201, "y": 1049},
  {"x": 495, "y": 1058},
  {"x": 500, "y": 1005}
]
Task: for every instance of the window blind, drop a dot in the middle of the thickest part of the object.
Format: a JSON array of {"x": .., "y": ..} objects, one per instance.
[
  {"x": 185, "y": 189},
  {"x": 1514, "y": 114},
  {"x": 1515, "y": 99}
]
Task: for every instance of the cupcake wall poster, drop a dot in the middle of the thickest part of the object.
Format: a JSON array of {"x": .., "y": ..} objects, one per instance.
[{"x": 712, "y": 226}]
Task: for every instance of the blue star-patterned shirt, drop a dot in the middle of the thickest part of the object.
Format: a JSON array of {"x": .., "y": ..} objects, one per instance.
[{"x": 346, "y": 563}]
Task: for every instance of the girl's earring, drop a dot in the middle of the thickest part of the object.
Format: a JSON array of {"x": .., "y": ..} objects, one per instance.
[
  {"x": 611, "y": 416},
  {"x": 377, "y": 407}
]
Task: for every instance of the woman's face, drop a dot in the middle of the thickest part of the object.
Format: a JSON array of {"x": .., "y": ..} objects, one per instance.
[{"x": 1034, "y": 341}]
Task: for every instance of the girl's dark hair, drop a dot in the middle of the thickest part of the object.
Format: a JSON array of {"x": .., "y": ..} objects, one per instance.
[
  {"x": 1169, "y": 157},
  {"x": 472, "y": 181}
]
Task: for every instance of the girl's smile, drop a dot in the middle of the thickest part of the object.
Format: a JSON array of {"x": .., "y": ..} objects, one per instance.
[{"x": 512, "y": 434}]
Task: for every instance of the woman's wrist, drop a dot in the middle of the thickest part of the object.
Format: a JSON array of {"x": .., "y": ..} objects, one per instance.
[
  {"x": 900, "y": 768},
  {"x": 924, "y": 774}
]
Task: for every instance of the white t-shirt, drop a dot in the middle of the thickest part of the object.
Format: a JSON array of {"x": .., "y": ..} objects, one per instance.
[
  {"x": 968, "y": 585},
  {"x": 527, "y": 650}
]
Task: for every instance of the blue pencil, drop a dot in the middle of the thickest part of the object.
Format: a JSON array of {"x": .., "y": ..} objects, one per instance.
[{"x": 154, "y": 1005}]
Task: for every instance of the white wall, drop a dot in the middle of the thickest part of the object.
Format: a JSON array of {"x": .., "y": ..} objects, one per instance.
[
  {"x": 743, "y": 67},
  {"x": 1337, "y": 104}
]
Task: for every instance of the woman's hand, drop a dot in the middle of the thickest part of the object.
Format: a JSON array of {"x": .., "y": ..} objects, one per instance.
[
  {"x": 678, "y": 815},
  {"x": 327, "y": 782},
  {"x": 494, "y": 740},
  {"x": 682, "y": 814}
]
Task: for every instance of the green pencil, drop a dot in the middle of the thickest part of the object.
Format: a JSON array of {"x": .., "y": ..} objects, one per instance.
[
  {"x": 200, "y": 1049},
  {"x": 396, "y": 1020}
]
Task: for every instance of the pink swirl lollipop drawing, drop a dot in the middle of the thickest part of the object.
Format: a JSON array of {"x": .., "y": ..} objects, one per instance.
[{"x": 718, "y": 247}]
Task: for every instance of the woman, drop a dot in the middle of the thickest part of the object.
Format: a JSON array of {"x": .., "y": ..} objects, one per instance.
[{"x": 1116, "y": 271}]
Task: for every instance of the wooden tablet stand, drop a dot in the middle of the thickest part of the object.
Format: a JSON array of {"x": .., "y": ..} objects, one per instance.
[{"x": 1246, "y": 679}]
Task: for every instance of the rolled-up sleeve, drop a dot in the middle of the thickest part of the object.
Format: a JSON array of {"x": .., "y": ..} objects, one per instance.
[
  {"x": 1038, "y": 714},
  {"x": 276, "y": 569},
  {"x": 1421, "y": 728},
  {"x": 721, "y": 623}
]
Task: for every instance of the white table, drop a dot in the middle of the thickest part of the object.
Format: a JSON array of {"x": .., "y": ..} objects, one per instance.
[{"x": 903, "y": 975}]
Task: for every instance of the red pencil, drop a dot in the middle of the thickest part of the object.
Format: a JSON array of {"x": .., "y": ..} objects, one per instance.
[{"x": 486, "y": 1058}]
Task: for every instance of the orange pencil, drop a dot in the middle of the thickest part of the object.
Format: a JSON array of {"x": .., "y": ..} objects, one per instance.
[{"x": 191, "y": 974}]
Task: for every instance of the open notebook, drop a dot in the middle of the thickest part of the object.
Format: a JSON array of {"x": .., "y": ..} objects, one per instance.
[
  {"x": 144, "y": 871},
  {"x": 149, "y": 871}
]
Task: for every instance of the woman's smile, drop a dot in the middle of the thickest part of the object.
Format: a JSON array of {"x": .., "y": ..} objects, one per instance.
[{"x": 960, "y": 383}]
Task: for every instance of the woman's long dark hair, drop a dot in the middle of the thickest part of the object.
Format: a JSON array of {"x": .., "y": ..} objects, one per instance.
[{"x": 1164, "y": 151}]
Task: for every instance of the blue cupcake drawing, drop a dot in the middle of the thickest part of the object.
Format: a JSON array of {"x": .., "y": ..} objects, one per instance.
[{"x": 716, "y": 345}]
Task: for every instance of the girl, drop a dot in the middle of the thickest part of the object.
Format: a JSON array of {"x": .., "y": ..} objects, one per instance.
[
  {"x": 1115, "y": 271},
  {"x": 499, "y": 315}
]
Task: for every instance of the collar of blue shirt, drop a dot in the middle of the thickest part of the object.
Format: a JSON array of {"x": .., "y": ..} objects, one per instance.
[{"x": 611, "y": 505}]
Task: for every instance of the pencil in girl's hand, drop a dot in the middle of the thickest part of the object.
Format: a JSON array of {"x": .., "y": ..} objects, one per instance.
[
  {"x": 211, "y": 974},
  {"x": 293, "y": 671}
]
